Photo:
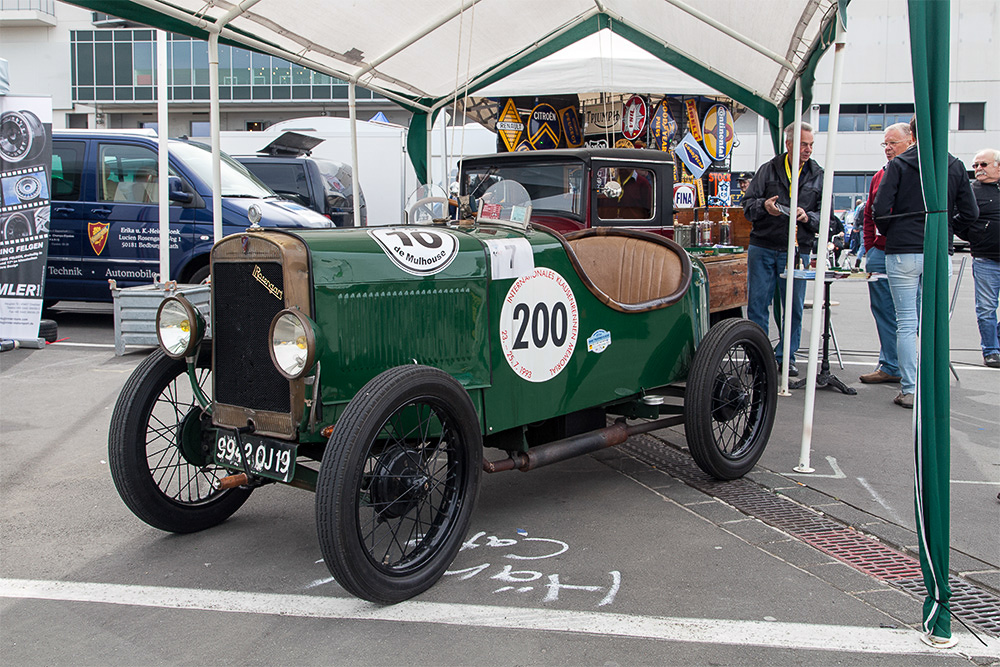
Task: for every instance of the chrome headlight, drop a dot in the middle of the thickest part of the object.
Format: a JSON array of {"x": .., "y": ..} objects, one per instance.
[
  {"x": 293, "y": 343},
  {"x": 179, "y": 327}
]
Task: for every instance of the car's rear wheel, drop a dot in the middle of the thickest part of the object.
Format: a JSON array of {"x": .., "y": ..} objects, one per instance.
[
  {"x": 398, "y": 483},
  {"x": 730, "y": 399},
  {"x": 159, "y": 448}
]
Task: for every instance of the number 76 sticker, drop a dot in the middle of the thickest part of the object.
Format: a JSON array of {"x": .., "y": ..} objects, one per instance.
[{"x": 539, "y": 324}]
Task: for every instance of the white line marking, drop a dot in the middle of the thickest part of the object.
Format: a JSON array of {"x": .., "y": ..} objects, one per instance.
[
  {"x": 837, "y": 472},
  {"x": 973, "y": 481},
  {"x": 819, "y": 637},
  {"x": 68, "y": 344},
  {"x": 881, "y": 501}
]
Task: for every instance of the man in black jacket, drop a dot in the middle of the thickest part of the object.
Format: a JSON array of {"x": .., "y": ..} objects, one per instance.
[
  {"x": 768, "y": 252},
  {"x": 983, "y": 235},
  {"x": 899, "y": 215}
]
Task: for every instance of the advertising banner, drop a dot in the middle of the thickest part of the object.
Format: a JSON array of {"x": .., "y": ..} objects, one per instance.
[
  {"x": 25, "y": 159},
  {"x": 538, "y": 123}
]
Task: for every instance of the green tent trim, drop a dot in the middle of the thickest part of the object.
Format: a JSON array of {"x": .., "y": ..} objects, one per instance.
[{"x": 929, "y": 49}]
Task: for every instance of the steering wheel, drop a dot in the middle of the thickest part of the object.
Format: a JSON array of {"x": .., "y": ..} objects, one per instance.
[{"x": 423, "y": 210}]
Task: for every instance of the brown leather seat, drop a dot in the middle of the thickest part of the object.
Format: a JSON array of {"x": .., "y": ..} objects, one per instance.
[{"x": 630, "y": 270}]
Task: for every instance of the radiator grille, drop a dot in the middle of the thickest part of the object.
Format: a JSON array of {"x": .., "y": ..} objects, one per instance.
[
  {"x": 431, "y": 325},
  {"x": 242, "y": 311}
]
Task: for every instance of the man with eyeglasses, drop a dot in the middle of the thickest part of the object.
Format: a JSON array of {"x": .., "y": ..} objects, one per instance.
[
  {"x": 897, "y": 139},
  {"x": 983, "y": 235},
  {"x": 900, "y": 215}
]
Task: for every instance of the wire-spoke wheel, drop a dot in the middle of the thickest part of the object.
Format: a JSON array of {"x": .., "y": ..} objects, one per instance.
[
  {"x": 730, "y": 399},
  {"x": 159, "y": 448},
  {"x": 398, "y": 483}
]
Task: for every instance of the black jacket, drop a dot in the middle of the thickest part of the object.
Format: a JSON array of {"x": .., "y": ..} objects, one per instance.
[
  {"x": 983, "y": 233},
  {"x": 899, "y": 202},
  {"x": 771, "y": 231}
]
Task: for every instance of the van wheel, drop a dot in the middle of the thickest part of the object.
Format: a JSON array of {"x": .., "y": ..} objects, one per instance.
[
  {"x": 48, "y": 330},
  {"x": 200, "y": 276}
]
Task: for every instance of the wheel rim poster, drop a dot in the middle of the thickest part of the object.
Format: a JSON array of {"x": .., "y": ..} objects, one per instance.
[{"x": 25, "y": 156}]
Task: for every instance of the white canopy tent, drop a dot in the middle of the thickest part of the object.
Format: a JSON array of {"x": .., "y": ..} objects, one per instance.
[{"x": 602, "y": 62}]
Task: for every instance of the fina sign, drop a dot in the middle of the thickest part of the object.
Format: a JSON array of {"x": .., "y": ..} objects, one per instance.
[{"x": 683, "y": 195}]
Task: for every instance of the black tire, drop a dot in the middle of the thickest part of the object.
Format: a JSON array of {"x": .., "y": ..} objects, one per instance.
[
  {"x": 200, "y": 276},
  {"x": 392, "y": 510},
  {"x": 729, "y": 404},
  {"x": 48, "y": 330},
  {"x": 168, "y": 487}
]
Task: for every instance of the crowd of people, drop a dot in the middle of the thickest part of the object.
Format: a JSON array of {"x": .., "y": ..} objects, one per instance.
[{"x": 887, "y": 231}]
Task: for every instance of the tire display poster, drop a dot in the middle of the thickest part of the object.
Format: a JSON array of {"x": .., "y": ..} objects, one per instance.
[{"x": 25, "y": 160}]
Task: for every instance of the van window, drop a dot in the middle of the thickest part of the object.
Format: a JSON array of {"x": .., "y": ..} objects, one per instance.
[
  {"x": 284, "y": 178},
  {"x": 127, "y": 174},
  {"x": 67, "y": 170}
]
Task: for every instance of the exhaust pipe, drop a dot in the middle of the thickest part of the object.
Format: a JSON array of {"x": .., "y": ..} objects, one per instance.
[{"x": 576, "y": 445}]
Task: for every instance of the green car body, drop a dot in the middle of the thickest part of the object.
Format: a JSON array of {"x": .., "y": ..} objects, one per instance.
[
  {"x": 373, "y": 365},
  {"x": 375, "y": 316}
]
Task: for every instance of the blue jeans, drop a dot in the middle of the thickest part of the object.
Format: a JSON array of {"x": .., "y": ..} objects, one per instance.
[
  {"x": 986, "y": 274},
  {"x": 884, "y": 312},
  {"x": 763, "y": 268},
  {"x": 905, "y": 272}
]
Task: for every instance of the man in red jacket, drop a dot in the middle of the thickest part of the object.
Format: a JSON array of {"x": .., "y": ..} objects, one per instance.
[{"x": 896, "y": 140}]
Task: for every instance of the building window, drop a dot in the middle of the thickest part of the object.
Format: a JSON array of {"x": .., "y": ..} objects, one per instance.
[
  {"x": 865, "y": 117},
  {"x": 848, "y": 188},
  {"x": 120, "y": 65},
  {"x": 972, "y": 115},
  {"x": 255, "y": 126},
  {"x": 200, "y": 128}
]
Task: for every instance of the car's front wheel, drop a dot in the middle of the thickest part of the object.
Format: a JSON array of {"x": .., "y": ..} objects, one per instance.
[
  {"x": 159, "y": 448},
  {"x": 398, "y": 483},
  {"x": 730, "y": 399}
]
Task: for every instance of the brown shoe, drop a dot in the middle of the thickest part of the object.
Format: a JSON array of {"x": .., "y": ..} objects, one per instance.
[
  {"x": 878, "y": 376},
  {"x": 904, "y": 400}
]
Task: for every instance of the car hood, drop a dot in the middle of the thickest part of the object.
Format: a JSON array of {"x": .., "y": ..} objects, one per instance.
[{"x": 276, "y": 212}]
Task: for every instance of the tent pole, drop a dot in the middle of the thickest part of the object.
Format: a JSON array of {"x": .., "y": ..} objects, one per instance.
[
  {"x": 214, "y": 30},
  {"x": 760, "y": 139},
  {"x": 824, "y": 234},
  {"x": 163, "y": 168},
  {"x": 352, "y": 108},
  {"x": 213, "y": 117},
  {"x": 793, "y": 207}
]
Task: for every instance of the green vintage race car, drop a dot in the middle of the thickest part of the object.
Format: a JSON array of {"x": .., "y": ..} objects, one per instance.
[{"x": 374, "y": 365}]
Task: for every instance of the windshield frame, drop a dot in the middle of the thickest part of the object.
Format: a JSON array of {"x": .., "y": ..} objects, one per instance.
[{"x": 571, "y": 174}]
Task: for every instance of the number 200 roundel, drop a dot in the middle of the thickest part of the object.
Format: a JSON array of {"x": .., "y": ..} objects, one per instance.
[{"x": 539, "y": 325}]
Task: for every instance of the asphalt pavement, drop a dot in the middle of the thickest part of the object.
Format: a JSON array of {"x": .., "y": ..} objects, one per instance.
[{"x": 627, "y": 556}]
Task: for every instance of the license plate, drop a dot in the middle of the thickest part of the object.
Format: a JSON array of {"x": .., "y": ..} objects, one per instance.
[{"x": 273, "y": 459}]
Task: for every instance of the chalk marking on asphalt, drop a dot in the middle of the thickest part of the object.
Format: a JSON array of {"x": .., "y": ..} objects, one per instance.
[
  {"x": 819, "y": 637},
  {"x": 837, "y": 472},
  {"x": 881, "y": 501},
  {"x": 973, "y": 481}
]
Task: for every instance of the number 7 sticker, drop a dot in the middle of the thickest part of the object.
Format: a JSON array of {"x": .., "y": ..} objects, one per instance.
[{"x": 539, "y": 323}]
